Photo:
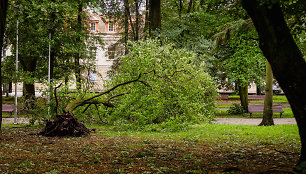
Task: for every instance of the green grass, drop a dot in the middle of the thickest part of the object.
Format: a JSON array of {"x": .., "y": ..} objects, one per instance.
[
  {"x": 223, "y": 106},
  {"x": 20, "y": 125},
  {"x": 280, "y": 99},
  {"x": 220, "y": 134},
  {"x": 224, "y": 114},
  {"x": 276, "y": 99}
]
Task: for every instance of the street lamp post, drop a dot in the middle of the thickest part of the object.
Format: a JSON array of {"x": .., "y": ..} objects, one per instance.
[
  {"x": 49, "y": 73},
  {"x": 49, "y": 67},
  {"x": 15, "y": 114}
]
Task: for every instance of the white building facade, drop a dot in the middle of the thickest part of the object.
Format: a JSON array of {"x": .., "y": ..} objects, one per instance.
[{"x": 106, "y": 53}]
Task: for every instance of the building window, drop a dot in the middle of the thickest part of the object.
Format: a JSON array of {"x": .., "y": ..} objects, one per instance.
[
  {"x": 92, "y": 26},
  {"x": 110, "y": 26},
  {"x": 111, "y": 51}
]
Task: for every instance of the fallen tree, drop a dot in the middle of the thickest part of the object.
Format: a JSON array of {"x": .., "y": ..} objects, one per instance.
[{"x": 67, "y": 124}]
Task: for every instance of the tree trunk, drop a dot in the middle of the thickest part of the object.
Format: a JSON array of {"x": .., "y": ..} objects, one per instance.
[
  {"x": 267, "y": 119},
  {"x": 243, "y": 93},
  {"x": 258, "y": 90},
  {"x": 146, "y": 27},
  {"x": 52, "y": 54},
  {"x": 77, "y": 56},
  {"x": 288, "y": 65},
  {"x": 126, "y": 26},
  {"x": 29, "y": 94},
  {"x": 29, "y": 91},
  {"x": 3, "y": 10},
  {"x": 128, "y": 15},
  {"x": 137, "y": 20},
  {"x": 190, "y": 6},
  {"x": 155, "y": 17},
  {"x": 29, "y": 66}
]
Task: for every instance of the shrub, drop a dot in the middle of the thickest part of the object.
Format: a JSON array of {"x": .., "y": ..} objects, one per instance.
[{"x": 236, "y": 109}]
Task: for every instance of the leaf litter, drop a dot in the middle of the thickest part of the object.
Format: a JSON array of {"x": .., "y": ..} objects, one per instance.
[{"x": 23, "y": 151}]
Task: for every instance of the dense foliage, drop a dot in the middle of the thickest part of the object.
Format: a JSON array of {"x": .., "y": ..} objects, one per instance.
[
  {"x": 237, "y": 55},
  {"x": 174, "y": 89},
  {"x": 59, "y": 23}
]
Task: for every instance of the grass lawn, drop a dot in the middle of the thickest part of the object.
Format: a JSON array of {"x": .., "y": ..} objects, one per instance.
[
  {"x": 222, "y": 113},
  {"x": 201, "y": 149}
]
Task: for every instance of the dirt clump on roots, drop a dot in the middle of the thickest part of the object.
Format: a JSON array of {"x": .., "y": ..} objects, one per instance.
[{"x": 65, "y": 125}]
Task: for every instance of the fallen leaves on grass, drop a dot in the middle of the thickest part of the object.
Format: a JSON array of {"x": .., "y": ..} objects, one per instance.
[{"x": 22, "y": 151}]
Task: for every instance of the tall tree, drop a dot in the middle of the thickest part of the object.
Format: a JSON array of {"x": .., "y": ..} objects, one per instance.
[
  {"x": 69, "y": 32},
  {"x": 126, "y": 25},
  {"x": 137, "y": 4},
  {"x": 3, "y": 10},
  {"x": 154, "y": 18},
  {"x": 243, "y": 61},
  {"x": 78, "y": 54},
  {"x": 287, "y": 62},
  {"x": 267, "y": 119}
]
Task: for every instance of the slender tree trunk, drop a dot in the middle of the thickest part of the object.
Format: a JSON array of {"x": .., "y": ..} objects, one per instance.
[
  {"x": 288, "y": 65},
  {"x": 3, "y": 10},
  {"x": 126, "y": 26},
  {"x": 180, "y": 9},
  {"x": 77, "y": 56},
  {"x": 52, "y": 54},
  {"x": 243, "y": 93},
  {"x": 146, "y": 27},
  {"x": 267, "y": 119},
  {"x": 29, "y": 66},
  {"x": 258, "y": 90},
  {"x": 29, "y": 91},
  {"x": 128, "y": 14},
  {"x": 190, "y": 6},
  {"x": 137, "y": 20},
  {"x": 155, "y": 17}
]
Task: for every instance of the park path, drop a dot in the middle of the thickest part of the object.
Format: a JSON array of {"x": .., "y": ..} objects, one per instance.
[
  {"x": 11, "y": 120},
  {"x": 230, "y": 121}
]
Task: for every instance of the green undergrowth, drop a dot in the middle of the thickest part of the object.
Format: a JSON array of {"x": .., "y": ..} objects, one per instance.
[{"x": 219, "y": 134}]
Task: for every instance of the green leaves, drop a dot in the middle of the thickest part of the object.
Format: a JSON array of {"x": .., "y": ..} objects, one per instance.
[
  {"x": 178, "y": 88},
  {"x": 37, "y": 19}
]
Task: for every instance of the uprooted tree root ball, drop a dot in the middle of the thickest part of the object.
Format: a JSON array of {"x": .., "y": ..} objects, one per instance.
[{"x": 65, "y": 125}]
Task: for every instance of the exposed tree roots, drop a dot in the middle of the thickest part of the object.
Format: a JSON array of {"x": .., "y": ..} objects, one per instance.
[{"x": 65, "y": 125}]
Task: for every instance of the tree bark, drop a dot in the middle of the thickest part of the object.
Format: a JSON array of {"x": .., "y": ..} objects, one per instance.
[
  {"x": 243, "y": 93},
  {"x": 126, "y": 26},
  {"x": 29, "y": 90},
  {"x": 267, "y": 119},
  {"x": 154, "y": 17},
  {"x": 137, "y": 20},
  {"x": 146, "y": 27},
  {"x": 258, "y": 90},
  {"x": 3, "y": 10},
  {"x": 52, "y": 54},
  {"x": 288, "y": 65},
  {"x": 128, "y": 15},
  {"x": 190, "y": 6},
  {"x": 29, "y": 65},
  {"x": 77, "y": 56}
]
